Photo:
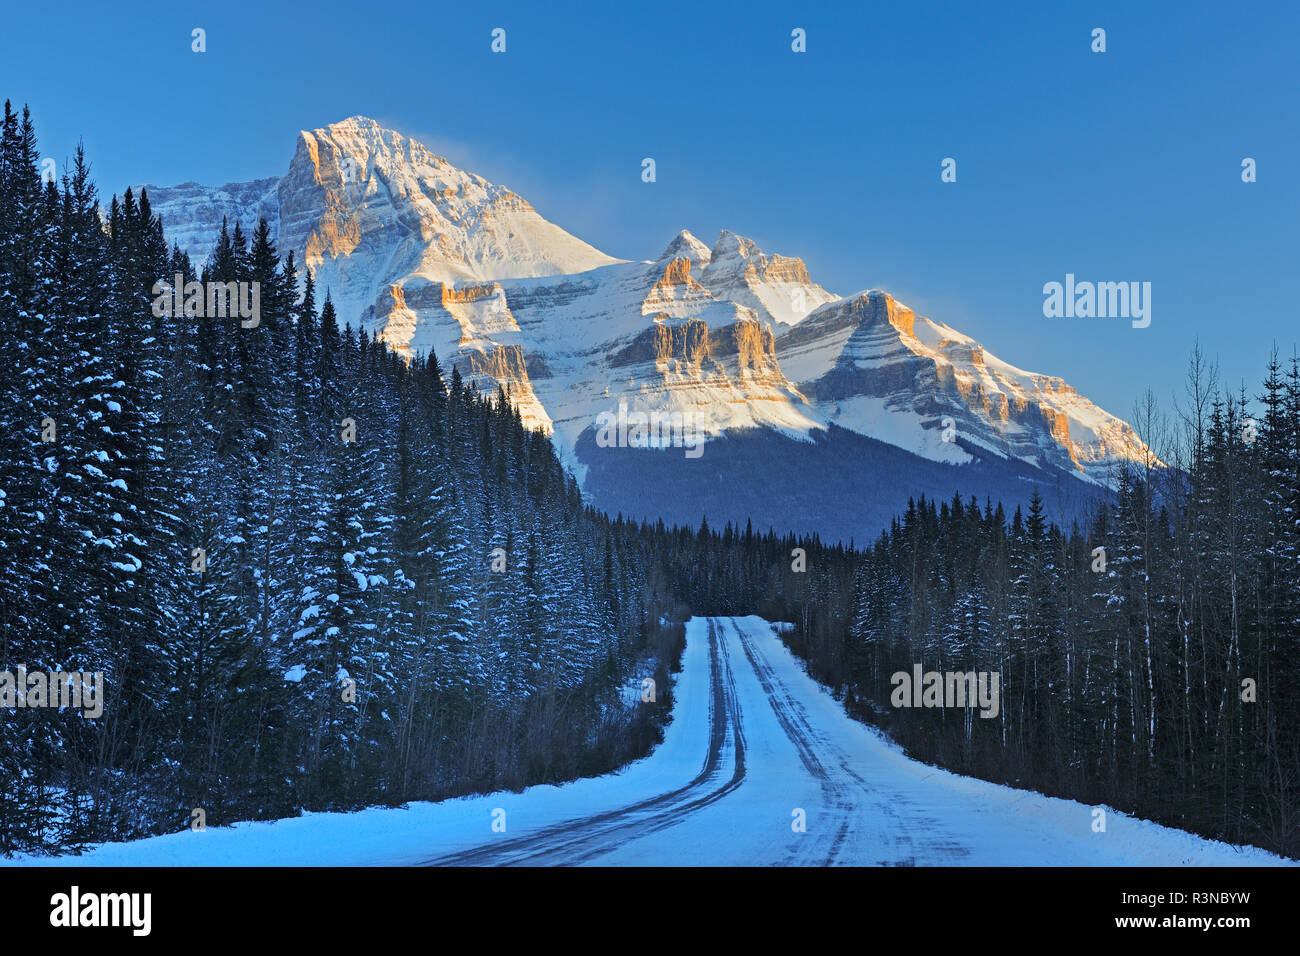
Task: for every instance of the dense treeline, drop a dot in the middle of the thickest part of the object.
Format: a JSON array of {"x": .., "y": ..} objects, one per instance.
[
  {"x": 1157, "y": 676},
  {"x": 279, "y": 544}
]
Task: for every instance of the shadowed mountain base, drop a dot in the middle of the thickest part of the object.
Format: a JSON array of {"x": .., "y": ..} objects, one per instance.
[{"x": 842, "y": 485}]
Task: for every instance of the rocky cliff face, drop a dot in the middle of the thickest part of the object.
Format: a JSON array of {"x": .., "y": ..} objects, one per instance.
[
  {"x": 873, "y": 366},
  {"x": 777, "y": 288},
  {"x": 193, "y": 214},
  {"x": 429, "y": 257},
  {"x": 368, "y": 209}
]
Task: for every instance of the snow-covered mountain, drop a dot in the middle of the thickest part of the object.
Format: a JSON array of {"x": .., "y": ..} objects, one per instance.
[
  {"x": 728, "y": 342},
  {"x": 874, "y": 366},
  {"x": 377, "y": 216}
]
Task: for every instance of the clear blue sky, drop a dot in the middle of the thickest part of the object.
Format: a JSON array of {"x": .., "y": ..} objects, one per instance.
[{"x": 1116, "y": 166}]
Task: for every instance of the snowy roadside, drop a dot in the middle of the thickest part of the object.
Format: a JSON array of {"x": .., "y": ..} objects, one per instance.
[{"x": 864, "y": 800}]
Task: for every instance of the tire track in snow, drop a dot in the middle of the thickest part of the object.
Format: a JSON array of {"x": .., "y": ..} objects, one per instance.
[
  {"x": 576, "y": 841},
  {"x": 673, "y": 815},
  {"x": 793, "y": 718},
  {"x": 933, "y": 842}
]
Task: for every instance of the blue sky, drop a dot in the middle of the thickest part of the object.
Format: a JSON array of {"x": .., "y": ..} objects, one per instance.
[{"x": 1115, "y": 166}]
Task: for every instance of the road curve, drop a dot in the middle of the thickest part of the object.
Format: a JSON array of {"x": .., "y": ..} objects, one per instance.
[
  {"x": 577, "y": 841},
  {"x": 760, "y": 766},
  {"x": 807, "y": 806}
]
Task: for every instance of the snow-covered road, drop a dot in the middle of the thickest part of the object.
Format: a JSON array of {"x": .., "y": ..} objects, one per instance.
[
  {"x": 755, "y": 745},
  {"x": 755, "y": 748}
]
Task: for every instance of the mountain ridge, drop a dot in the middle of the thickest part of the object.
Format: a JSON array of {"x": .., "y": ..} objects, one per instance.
[{"x": 426, "y": 256}]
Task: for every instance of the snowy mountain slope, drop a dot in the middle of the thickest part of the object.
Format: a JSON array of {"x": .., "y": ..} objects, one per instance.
[
  {"x": 369, "y": 211},
  {"x": 651, "y": 337},
  {"x": 192, "y": 214},
  {"x": 722, "y": 340},
  {"x": 839, "y": 483},
  {"x": 777, "y": 288},
  {"x": 753, "y": 740},
  {"x": 875, "y": 367}
]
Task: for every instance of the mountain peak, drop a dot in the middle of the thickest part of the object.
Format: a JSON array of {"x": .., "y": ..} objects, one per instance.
[
  {"x": 730, "y": 244},
  {"x": 358, "y": 146},
  {"x": 358, "y": 122},
  {"x": 686, "y": 246},
  {"x": 355, "y": 128},
  {"x": 369, "y": 209},
  {"x": 776, "y": 287}
]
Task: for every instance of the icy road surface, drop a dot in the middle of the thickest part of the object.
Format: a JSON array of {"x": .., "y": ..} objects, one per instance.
[{"x": 753, "y": 742}]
